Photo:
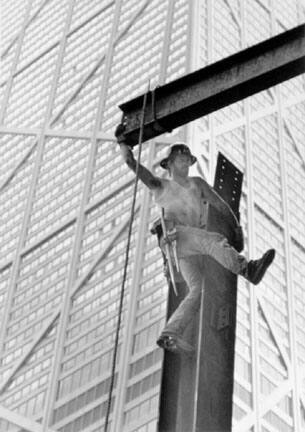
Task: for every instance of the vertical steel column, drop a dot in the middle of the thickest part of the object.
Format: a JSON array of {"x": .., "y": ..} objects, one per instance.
[
  {"x": 64, "y": 316},
  {"x": 218, "y": 317},
  {"x": 251, "y": 245}
]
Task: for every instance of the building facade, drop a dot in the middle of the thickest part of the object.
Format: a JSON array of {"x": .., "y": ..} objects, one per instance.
[{"x": 65, "y": 198}]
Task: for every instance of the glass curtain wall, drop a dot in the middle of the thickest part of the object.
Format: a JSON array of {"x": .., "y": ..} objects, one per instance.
[{"x": 65, "y": 200}]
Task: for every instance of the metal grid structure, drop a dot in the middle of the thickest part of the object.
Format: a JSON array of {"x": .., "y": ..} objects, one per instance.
[{"x": 65, "y": 198}]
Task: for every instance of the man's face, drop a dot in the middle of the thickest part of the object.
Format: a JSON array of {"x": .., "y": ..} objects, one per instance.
[{"x": 180, "y": 163}]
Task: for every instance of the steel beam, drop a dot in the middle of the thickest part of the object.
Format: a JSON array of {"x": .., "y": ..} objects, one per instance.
[{"x": 215, "y": 86}]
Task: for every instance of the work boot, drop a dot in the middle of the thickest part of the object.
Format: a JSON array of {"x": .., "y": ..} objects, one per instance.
[
  {"x": 174, "y": 343},
  {"x": 257, "y": 268}
]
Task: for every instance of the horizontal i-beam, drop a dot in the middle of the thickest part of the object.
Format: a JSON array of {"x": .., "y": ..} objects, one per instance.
[{"x": 215, "y": 86}]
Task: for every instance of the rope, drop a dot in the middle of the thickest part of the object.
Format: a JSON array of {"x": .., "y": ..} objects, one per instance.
[{"x": 132, "y": 213}]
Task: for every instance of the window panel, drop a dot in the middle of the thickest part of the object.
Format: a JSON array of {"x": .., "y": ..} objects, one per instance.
[
  {"x": 298, "y": 265},
  {"x": 44, "y": 30},
  {"x": 143, "y": 409},
  {"x": 227, "y": 37},
  {"x": 273, "y": 369},
  {"x": 266, "y": 160},
  {"x": 275, "y": 420},
  {"x": 13, "y": 14},
  {"x": 295, "y": 182},
  {"x": 13, "y": 197},
  {"x": 4, "y": 286},
  {"x": 138, "y": 389},
  {"x": 262, "y": 100},
  {"x": 293, "y": 88},
  {"x": 90, "y": 417},
  {"x": 30, "y": 92},
  {"x": 39, "y": 289},
  {"x": 233, "y": 145},
  {"x": 109, "y": 171},
  {"x": 258, "y": 22},
  {"x": 147, "y": 336},
  {"x": 26, "y": 391},
  {"x": 7, "y": 60},
  {"x": 178, "y": 55},
  {"x": 146, "y": 362},
  {"x": 238, "y": 412},
  {"x": 60, "y": 185},
  {"x": 84, "y": 48},
  {"x": 287, "y": 14},
  {"x": 82, "y": 12}
]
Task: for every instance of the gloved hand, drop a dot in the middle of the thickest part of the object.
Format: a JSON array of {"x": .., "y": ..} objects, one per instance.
[
  {"x": 119, "y": 133},
  {"x": 238, "y": 239}
]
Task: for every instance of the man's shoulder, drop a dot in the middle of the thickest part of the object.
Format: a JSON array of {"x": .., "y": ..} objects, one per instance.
[
  {"x": 198, "y": 180},
  {"x": 202, "y": 184}
]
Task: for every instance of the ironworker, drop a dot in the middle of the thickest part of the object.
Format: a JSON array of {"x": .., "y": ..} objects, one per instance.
[{"x": 184, "y": 200}]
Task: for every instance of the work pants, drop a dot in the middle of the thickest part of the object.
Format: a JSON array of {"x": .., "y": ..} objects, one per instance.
[{"x": 192, "y": 243}]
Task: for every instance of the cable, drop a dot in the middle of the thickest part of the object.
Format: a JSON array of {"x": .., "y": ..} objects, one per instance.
[{"x": 132, "y": 213}]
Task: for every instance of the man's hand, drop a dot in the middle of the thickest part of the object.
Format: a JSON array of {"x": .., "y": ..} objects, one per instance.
[
  {"x": 149, "y": 179},
  {"x": 119, "y": 133}
]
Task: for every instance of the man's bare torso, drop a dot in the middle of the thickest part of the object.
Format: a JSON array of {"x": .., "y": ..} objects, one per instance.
[{"x": 183, "y": 204}]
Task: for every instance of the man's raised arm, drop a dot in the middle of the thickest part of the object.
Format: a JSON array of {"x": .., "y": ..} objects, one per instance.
[{"x": 150, "y": 180}]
